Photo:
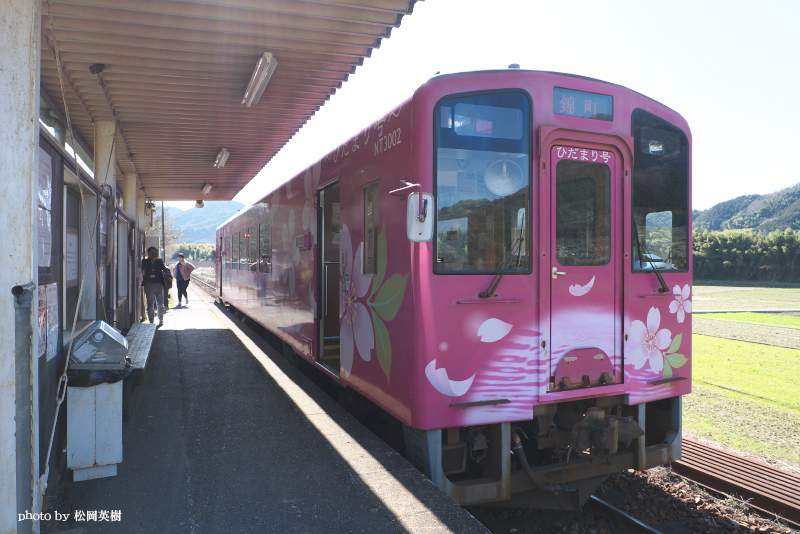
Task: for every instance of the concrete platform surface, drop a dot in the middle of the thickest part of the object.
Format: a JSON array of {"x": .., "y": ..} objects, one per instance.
[{"x": 224, "y": 435}]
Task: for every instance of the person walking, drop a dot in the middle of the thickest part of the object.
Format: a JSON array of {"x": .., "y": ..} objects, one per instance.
[
  {"x": 183, "y": 273},
  {"x": 153, "y": 281}
]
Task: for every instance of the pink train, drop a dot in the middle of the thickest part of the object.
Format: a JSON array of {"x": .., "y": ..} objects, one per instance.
[{"x": 503, "y": 263}]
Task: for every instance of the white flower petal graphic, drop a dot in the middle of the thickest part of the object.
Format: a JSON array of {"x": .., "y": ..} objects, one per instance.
[
  {"x": 362, "y": 331},
  {"x": 656, "y": 361},
  {"x": 493, "y": 330},
  {"x": 676, "y": 290},
  {"x": 307, "y": 184},
  {"x": 638, "y": 332},
  {"x": 663, "y": 339},
  {"x": 681, "y": 314},
  {"x": 579, "y": 291},
  {"x": 315, "y": 172},
  {"x": 639, "y": 356},
  {"x": 361, "y": 281},
  {"x": 686, "y": 292},
  {"x": 439, "y": 380},
  {"x": 687, "y": 305},
  {"x": 307, "y": 215},
  {"x": 673, "y": 306},
  {"x": 653, "y": 320}
]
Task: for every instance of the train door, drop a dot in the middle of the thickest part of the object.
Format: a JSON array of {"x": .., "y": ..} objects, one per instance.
[
  {"x": 586, "y": 283},
  {"x": 328, "y": 278}
]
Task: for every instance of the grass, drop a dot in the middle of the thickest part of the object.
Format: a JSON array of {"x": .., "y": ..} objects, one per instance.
[
  {"x": 762, "y": 370},
  {"x": 755, "y": 318},
  {"x": 708, "y": 296},
  {"x": 759, "y": 427}
]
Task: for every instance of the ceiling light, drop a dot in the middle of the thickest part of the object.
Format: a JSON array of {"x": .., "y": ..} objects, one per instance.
[
  {"x": 199, "y": 204},
  {"x": 222, "y": 157},
  {"x": 258, "y": 82},
  {"x": 206, "y": 189}
]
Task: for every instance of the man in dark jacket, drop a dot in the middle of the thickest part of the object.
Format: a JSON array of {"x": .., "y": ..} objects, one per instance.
[{"x": 153, "y": 281}]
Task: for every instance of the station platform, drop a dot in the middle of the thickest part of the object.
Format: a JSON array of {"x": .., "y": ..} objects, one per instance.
[{"x": 224, "y": 435}]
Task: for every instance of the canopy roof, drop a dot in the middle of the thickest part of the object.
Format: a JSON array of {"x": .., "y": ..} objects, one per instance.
[{"x": 175, "y": 73}]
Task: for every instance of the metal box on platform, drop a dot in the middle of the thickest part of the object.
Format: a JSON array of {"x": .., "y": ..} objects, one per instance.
[{"x": 94, "y": 414}]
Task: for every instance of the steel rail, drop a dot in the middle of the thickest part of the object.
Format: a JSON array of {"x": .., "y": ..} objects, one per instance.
[
  {"x": 765, "y": 488},
  {"x": 625, "y": 520}
]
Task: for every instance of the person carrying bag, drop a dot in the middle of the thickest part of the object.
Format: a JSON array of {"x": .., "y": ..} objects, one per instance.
[
  {"x": 153, "y": 282},
  {"x": 183, "y": 273}
]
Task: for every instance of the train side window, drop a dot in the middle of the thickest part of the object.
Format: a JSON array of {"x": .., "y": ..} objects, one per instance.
[
  {"x": 252, "y": 248},
  {"x": 660, "y": 184},
  {"x": 228, "y": 252},
  {"x": 242, "y": 251},
  {"x": 583, "y": 213},
  {"x": 370, "y": 229},
  {"x": 265, "y": 245},
  {"x": 235, "y": 252}
]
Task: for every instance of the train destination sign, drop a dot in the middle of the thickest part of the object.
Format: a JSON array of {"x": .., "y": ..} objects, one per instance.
[{"x": 582, "y": 104}]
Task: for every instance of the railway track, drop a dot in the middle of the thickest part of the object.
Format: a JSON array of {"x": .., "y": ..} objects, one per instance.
[
  {"x": 765, "y": 488},
  {"x": 206, "y": 282}
]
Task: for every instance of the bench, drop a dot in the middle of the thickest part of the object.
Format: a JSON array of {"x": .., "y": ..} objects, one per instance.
[{"x": 140, "y": 339}]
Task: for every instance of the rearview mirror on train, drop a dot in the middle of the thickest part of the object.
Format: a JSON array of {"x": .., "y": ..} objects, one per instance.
[{"x": 420, "y": 228}]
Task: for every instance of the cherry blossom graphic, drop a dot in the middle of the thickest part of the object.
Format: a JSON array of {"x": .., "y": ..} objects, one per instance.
[
  {"x": 356, "y": 331},
  {"x": 682, "y": 305},
  {"x": 650, "y": 342},
  {"x": 364, "y": 313}
]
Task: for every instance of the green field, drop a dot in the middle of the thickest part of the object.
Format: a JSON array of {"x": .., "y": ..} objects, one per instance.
[
  {"x": 744, "y": 296},
  {"x": 764, "y": 418},
  {"x": 761, "y": 370},
  {"x": 771, "y": 319},
  {"x": 758, "y": 427}
]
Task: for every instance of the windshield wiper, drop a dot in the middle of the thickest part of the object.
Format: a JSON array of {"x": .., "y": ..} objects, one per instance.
[
  {"x": 509, "y": 255},
  {"x": 639, "y": 247}
]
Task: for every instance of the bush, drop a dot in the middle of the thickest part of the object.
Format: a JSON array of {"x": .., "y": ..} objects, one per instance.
[{"x": 747, "y": 255}]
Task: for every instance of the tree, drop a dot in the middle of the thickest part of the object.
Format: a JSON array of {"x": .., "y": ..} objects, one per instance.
[{"x": 173, "y": 234}]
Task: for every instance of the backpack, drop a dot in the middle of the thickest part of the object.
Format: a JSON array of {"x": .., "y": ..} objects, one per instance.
[{"x": 167, "y": 276}]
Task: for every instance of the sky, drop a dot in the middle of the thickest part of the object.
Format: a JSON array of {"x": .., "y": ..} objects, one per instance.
[{"x": 731, "y": 69}]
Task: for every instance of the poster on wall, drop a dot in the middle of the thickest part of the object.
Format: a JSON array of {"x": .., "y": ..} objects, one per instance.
[
  {"x": 42, "y": 320},
  {"x": 45, "y": 179},
  {"x": 71, "y": 257},
  {"x": 44, "y": 242},
  {"x": 52, "y": 320}
]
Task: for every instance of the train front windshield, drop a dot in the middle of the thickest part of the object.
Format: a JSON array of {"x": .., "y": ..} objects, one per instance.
[{"x": 483, "y": 183}]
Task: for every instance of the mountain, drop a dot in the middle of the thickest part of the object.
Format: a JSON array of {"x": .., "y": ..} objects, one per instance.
[
  {"x": 200, "y": 224},
  {"x": 763, "y": 213}
]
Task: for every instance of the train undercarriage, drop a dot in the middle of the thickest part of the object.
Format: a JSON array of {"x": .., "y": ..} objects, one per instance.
[{"x": 556, "y": 460}]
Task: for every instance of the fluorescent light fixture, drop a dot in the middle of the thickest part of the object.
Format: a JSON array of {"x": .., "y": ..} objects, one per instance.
[
  {"x": 206, "y": 189},
  {"x": 199, "y": 204},
  {"x": 222, "y": 157},
  {"x": 258, "y": 82}
]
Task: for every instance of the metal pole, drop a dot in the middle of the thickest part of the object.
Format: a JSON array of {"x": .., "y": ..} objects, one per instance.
[
  {"x": 23, "y": 341},
  {"x": 163, "y": 235}
]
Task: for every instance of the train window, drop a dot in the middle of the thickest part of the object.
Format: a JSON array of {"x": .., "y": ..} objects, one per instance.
[
  {"x": 483, "y": 183},
  {"x": 265, "y": 245},
  {"x": 242, "y": 251},
  {"x": 583, "y": 213},
  {"x": 370, "y": 229},
  {"x": 252, "y": 248},
  {"x": 660, "y": 194},
  {"x": 228, "y": 252},
  {"x": 235, "y": 252}
]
